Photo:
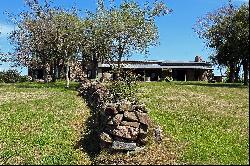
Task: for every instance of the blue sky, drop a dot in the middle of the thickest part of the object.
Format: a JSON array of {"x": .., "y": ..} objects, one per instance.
[{"x": 177, "y": 38}]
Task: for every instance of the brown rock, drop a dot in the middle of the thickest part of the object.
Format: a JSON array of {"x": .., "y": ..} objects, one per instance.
[
  {"x": 106, "y": 138},
  {"x": 117, "y": 119},
  {"x": 127, "y": 132},
  {"x": 141, "y": 107},
  {"x": 130, "y": 116},
  {"x": 143, "y": 129},
  {"x": 132, "y": 124},
  {"x": 124, "y": 106},
  {"x": 142, "y": 139},
  {"x": 111, "y": 110},
  {"x": 143, "y": 118}
]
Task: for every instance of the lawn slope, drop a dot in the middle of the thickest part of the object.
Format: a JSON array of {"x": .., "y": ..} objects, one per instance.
[
  {"x": 210, "y": 122},
  {"x": 40, "y": 124}
]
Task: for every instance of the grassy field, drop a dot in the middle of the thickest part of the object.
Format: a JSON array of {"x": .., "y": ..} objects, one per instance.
[
  {"x": 203, "y": 124},
  {"x": 40, "y": 124},
  {"x": 209, "y": 122}
]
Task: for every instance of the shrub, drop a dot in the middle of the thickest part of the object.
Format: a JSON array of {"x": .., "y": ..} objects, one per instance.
[
  {"x": 124, "y": 87},
  {"x": 12, "y": 76}
]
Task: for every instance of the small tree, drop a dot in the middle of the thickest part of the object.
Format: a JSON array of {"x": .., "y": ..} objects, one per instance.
[{"x": 70, "y": 31}]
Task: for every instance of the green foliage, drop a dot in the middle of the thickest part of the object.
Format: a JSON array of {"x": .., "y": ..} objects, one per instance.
[
  {"x": 12, "y": 76},
  {"x": 125, "y": 29},
  {"x": 226, "y": 32},
  {"x": 124, "y": 87}
]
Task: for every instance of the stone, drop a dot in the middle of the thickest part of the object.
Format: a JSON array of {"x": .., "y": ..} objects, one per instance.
[
  {"x": 117, "y": 145},
  {"x": 116, "y": 138},
  {"x": 110, "y": 122},
  {"x": 158, "y": 134},
  {"x": 117, "y": 119},
  {"x": 106, "y": 137},
  {"x": 143, "y": 118},
  {"x": 143, "y": 129},
  {"x": 137, "y": 150},
  {"x": 133, "y": 124},
  {"x": 111, "y": 110},
  {"x": 141, "y": 107},
  {"x": 124, "y": 106},
  {"x": 142, "y": 139},
  {"x": 130, "y": 116},
  {"x": 127, "y": 132}
]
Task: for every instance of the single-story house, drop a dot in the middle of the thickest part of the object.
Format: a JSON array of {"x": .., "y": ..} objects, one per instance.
[
  {"x": 197, "y": 70},
  {"x": 158, "y": 70}
]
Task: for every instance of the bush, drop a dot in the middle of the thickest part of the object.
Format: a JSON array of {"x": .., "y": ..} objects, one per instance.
[
  {"x": 124, "y": 87},
  {"x": 12, "y": 76}
]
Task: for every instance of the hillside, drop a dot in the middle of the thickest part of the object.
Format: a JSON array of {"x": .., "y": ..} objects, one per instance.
[
  {"x": 40, "y": 124},
  {"x": 202, "y": 123},
  {"x": 209, "y": 122}
]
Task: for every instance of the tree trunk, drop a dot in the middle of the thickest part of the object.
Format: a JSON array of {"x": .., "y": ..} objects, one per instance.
[
  {"x": 95, "y": 67},
  {"x": 237, "y": 72},
  {"x": 84, "y": 69},
  {"x": 118, "y": 71},
  {"x": 45, "y": 73},
  {"x": 231, "y": 73},
  {"x": 246, "y": 72},
  {"x": 60, "y": 68},
  {"x": 55, "y": 71},
  {"x": 67, "y": 75},
  {"x": 32, "y": 73}
]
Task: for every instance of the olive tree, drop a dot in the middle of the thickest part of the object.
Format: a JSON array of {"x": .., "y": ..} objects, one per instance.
[
  {"x": 119, "y": 31},
  {"x": 47, "y": 36}
]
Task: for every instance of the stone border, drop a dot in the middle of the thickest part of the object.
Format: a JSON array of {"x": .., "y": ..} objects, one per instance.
[{"x": 124, "y": 125}]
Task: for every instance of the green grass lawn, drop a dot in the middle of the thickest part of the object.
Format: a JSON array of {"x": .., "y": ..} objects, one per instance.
[
  {"x": 209, "y": 122},
  {"x": 40, "y": 124},
  {"x": 203, "y": 124}
]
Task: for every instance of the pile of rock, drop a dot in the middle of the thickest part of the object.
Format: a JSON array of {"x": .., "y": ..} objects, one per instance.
[
  {"x": 95, "y": 93},
  {"x": 124, "y": 124}
]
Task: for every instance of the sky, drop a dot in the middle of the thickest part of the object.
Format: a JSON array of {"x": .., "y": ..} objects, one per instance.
[{"x": 178, "y": 41}]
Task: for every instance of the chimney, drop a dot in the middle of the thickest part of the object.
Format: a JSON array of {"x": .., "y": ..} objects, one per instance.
[{"x": 198, "y": 59}]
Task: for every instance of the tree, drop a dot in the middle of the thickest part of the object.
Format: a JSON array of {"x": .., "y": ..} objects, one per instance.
[
  {"x": 125, "y": 29},
  {"x": 32, "y": 40},
  {"x": 47, "y": 36},
  {"x": 70, "y": 30},
  {"x": 241, "y": 19},
  {"x": 226, "y": 32}
]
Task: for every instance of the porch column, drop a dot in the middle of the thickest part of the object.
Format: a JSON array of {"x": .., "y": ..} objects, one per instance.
[{"x": 144, "y": 75}]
